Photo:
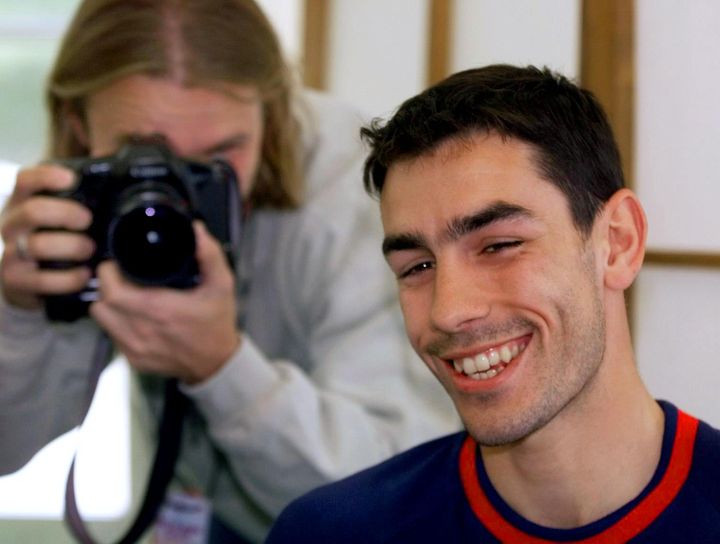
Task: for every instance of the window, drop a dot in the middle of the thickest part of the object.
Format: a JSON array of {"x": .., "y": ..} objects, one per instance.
[{"x": 29, "y": 35}]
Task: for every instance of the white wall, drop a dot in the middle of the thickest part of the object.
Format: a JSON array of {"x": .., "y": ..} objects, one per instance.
[
  {"x": 378, "y": 48},
  {"x": 377, "y": 52},
  {"x": 520, "y": 32},
  {"x": 286, "y": 18},
  {"x": 677, "y": 337},
  {"x": 678, "y": 179},
  {"x": 678, "y": 121}
]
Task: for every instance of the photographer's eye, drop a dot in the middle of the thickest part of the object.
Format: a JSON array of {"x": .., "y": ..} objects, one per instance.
[{"x": 227, "y": 147}]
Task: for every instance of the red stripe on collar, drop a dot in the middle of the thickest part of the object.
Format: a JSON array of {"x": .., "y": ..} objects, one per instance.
[{"x": 628, "y": 527}]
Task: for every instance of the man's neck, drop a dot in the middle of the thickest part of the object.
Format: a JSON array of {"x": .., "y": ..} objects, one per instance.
[{"x": 594, "y": 457}]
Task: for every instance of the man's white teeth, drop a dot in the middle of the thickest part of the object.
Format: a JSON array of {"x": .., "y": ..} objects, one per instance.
[
  {"x": 487, "y": 375},
  {"x": 489, "y": 363},
  {"x": 468, "y": 365},
  {"x": 505, "y": 354},
  {"x": 482, "y": 362}
]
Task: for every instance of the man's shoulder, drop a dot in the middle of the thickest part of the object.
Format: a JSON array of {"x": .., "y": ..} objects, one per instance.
[
  {"x": 329, "y": 121},
  {"x": 709, "y": 432},
  {"x": 333, "y": 152},
  {"x": 399, "y": 475},
  {"x": 695, "y": 511},
  {"x": 334, "y": 202},
  {"x": 329, "y": 106},
  {"x": 375, "y": 500},
  {"x": 707, "y": 452},
  {"x": 702, "y": 488},
  {"x": 705, "y": 443}
]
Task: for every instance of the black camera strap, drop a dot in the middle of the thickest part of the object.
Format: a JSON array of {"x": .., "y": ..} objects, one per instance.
[{"x": 163, "y": 468}]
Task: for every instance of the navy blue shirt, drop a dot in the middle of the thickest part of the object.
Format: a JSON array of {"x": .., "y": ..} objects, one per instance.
[{"x": 439, "y": 492}]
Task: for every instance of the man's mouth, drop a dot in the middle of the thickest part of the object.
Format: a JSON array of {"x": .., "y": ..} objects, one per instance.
[{"x": 491, "y": 362}]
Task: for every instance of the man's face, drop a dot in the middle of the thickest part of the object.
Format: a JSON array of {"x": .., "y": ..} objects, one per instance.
[
  {"x": 197, "y": 123},
  {"x": 499, "y": 290}
]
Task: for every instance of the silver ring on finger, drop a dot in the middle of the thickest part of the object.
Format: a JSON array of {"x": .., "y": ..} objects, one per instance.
[{"x": 21, "y": 246}]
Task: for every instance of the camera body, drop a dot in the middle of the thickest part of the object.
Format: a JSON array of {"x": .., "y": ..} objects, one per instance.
[{"x": 143, "y": 200}]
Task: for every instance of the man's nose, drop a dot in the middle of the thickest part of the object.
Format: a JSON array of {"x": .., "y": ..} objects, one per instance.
[{"x": 460, "y": 297}]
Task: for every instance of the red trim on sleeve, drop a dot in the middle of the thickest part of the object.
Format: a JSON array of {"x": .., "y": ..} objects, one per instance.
[{"x": 628, "y": 527}]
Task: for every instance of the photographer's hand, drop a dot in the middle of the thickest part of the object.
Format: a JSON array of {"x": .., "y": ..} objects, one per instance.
[
  {"x": 24, "y": 223},
  {"x": 188, "y": 334}
]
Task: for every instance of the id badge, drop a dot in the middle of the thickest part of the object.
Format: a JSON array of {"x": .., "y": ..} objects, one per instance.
[{"x": 184, "y": 518}]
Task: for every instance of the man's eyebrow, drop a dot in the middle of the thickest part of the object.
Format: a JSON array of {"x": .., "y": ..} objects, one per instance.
[
  {"x": 401, "y": 242},
  {"x": 498, "y": 211},
  {"x": 461, "y": 226}
]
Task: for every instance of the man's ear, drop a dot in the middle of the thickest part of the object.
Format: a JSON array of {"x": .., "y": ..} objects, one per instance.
[
  {"x": 624, "y": 227},
  {"x": 76, "y": 125}
]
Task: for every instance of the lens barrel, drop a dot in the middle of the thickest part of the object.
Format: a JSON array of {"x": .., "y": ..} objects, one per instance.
[{"x": 151, "y": 236}]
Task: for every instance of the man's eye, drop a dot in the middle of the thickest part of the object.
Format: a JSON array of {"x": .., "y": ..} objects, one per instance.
[
  {"x": 223, "y": 154},
  {"x": 416, "y": 269},
  {"x": 501, "y": 246}
]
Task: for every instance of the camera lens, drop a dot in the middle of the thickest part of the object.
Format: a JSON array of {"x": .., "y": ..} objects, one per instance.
[{"x": 152, "y": 239}]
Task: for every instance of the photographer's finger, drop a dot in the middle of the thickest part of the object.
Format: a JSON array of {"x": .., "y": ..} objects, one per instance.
[
  {"x": 58, "y": 213},
  {"x": 58, "y": 282},
  {"x": 124, "y": 333},
  {"x": 118, "y": 292},
  {"x": 25, "y": 277},
  {"x": 109, "y": 276},
  {"x": 133, "y": 334},
  {"x": 211, "y": 258},
  {"x": 44, "y": 177},
  {"x": 14, "y": 280},
  {"x": 40, "y": 212},
  {"x": 62, "y": 246}
]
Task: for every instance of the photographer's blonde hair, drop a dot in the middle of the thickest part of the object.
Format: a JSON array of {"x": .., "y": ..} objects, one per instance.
[{"x": 207, "y": 43}]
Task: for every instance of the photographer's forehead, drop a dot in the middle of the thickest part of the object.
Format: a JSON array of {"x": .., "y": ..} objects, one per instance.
[{"x": 193, "y": 120}]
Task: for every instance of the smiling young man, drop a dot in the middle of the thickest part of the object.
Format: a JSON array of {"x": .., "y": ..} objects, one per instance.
[{"x": 513, "y": 239}]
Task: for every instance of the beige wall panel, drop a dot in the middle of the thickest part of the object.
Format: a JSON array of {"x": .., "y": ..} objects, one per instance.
[
  {"x": 377, "y": 52},
  {"x": 286, "y": 17},
  {"x": 677, "y": 337},
  {"x": 678, "y": 122},
  {"x": 517, "y": 32}
]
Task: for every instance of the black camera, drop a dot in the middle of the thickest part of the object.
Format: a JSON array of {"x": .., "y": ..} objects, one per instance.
[{"x": 143, "y": 200}]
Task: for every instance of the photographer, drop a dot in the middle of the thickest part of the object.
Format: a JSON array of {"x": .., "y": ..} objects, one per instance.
[{"x": 295, "y": 362}]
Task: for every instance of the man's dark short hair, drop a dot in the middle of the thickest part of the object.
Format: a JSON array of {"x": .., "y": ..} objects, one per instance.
[{"x": 574, "y": 144}]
